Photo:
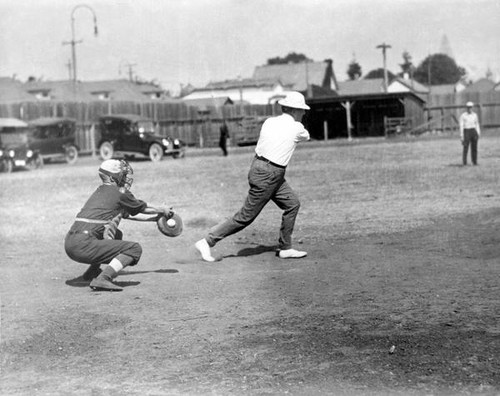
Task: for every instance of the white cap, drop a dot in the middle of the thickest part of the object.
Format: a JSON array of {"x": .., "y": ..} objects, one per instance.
[
  {"x": 469, "y": 104},
  {"x": 295, "y": 100}
]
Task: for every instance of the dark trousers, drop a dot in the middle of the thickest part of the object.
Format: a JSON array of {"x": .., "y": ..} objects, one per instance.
[
  {"x": 267, "y": 183},
  {"x": 223, "y": 146},
  {"x": 470, "y": 139},
  {"x": 87, "y": 249}
]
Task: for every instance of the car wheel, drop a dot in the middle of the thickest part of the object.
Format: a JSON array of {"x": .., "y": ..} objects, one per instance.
[
  {"x": 155, "y": 152},
  {"x": 106, "y": 151},
  {"x": 71, "y": 155},
  {"x": 6, "y": 166}
]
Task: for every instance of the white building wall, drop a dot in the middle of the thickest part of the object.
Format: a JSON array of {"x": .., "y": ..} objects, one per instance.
[{"x": 252, "y": 95}]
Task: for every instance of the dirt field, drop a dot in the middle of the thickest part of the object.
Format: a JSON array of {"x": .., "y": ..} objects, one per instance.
[{"x": 404, "y": 248}]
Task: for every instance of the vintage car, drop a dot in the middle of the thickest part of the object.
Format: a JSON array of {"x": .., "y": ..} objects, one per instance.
[
  {"x": 54, "y": 138},
  {"x": 128, "y": 135},
  {"x": 15, "y": 151}
]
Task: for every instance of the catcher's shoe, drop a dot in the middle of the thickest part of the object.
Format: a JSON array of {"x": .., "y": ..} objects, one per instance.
[
  {"x": 101, "y": 284},
  {"x": 92, "y": 272},
  {"x": 291, "y": 253}
]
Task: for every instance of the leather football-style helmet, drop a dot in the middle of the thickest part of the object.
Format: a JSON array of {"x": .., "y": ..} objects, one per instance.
[{"x": 118, "y": 172}]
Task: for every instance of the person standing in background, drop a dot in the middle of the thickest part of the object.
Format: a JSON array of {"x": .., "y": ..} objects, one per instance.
[
  {"x": 224, "y": 135},
  {"x": 469, "y": 133}
]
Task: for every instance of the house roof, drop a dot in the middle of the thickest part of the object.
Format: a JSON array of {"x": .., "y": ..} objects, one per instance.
[
  {"x": 411, "y": 84},
  {"x": 12, "y": 90},
  {"x": 481, "y": 85},
  {"x": 58, "y": 90},
  {"x": 297, "y": 75},
  {"x": 363, "y": 96},
  {"x": 361, "y": 87},
  {"x": 65, "y": 90},
  {"x": 238, "y": 83}
]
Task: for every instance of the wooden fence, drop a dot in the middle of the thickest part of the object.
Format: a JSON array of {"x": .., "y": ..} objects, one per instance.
[
  {"x": 448, "y": 108},
  {"x": 200, "y": 127},
  {"x": 197, "y": 127}
]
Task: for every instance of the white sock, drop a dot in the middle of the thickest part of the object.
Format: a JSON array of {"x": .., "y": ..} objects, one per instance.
[{"x": 116, "y": 265}]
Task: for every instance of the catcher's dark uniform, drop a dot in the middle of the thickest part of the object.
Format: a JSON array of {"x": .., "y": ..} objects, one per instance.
[{"x": 85, "y": 241}]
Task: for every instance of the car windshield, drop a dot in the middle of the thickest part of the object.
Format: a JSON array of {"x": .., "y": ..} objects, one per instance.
[
  {"x": 145, "y": 127},
  {"x": 18, "y": 137}
]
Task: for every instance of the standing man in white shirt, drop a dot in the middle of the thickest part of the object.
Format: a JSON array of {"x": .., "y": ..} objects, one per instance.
[
  {"x": 277, "y": 141},
  {"x": 469, "y": 133}
]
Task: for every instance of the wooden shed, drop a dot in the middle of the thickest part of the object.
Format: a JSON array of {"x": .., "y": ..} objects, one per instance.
[{"x": 364, "y": 115}]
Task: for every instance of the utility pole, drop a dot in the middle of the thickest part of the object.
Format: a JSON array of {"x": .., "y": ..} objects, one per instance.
[
  {"x": 384, "y": 48},
  {"x": 130, "y": 69},
  {"x": 68, "y": 65},
  {"x": 308, "y": 86}
]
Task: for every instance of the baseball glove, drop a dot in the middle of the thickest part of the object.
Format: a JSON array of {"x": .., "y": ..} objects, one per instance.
[{"x": 171, "y": 226}]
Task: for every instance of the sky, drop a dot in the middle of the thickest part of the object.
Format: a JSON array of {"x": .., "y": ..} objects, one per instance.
[{"x": 176, "y": 42}]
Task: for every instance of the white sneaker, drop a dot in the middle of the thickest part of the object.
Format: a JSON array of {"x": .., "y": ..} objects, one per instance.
[
  {"x": 204, "y": 249},
  {"x": 291, "y": 253}
]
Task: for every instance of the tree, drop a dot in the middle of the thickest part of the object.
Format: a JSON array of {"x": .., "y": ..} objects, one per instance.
[
  {"x": 407, "y": 66},
  {"x": 379, "y": 73},
  {"x": 292, "y": 57},
  {"x": 439, "y": 69},
  {"x": 354, "y": 70}
]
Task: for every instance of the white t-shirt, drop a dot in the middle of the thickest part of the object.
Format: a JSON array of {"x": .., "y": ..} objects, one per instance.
[{"x": 279, "y": 137}]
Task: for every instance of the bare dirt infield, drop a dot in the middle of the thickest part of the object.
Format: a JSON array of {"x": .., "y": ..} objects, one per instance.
[{"x": 403, "y": 245}]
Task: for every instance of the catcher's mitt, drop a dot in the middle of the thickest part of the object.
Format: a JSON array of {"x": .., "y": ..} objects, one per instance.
[{"x": 171, "y": 226}]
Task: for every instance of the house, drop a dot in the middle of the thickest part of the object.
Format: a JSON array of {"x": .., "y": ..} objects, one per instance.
[
  {"x": 362, "y": 114},
  {"x": 481, "y": 85},
  {"x": 376, "y": 86},
  {"x": 270, "y": 83},
  {"x": 361, "y": 87},
  {"x": 402, "y": 84},
  {"x": 300, "y": 76},
  {"x": 87, "y": 91},
  {"x": 12, "y": 90},
  {"x": 241, "y": 90},
  {"x": 56, "y": 91}
]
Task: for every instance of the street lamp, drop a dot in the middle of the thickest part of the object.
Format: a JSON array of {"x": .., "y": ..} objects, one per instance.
[{"x": 73, "y": 42}]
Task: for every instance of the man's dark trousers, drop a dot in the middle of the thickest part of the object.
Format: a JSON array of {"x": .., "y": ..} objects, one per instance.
[
  {"x": 267, "y": 183},
  {"x": 470, "y": 138}
]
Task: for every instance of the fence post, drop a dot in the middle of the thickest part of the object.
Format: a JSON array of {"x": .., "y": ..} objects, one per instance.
[
  {"x": 325, "y": 130},
  {"x": 92, "y": 139}
]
